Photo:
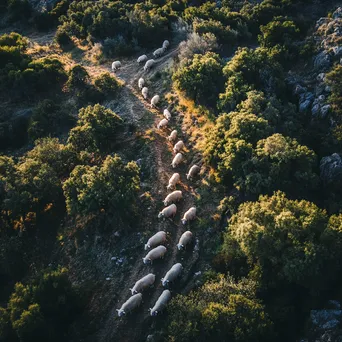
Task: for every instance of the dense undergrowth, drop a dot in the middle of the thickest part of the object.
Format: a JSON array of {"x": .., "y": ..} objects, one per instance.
[{"x": 279, "y": 253}]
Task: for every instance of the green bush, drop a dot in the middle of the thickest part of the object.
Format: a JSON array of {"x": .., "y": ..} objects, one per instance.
[
  {"x": 201, "y": 78},
  {"x": 279, "y": 31},
  {"x": 44, "y": 308},
  {"x": 107, "y": 85},
  {"x": 111, "y": 187},
  {"x": 286, "y": 241},
  {"x": 48, "y": 119},
  {"x": 251, "y": 70},
  {"x": 97, "y": 127},
  {"x": 19, "y": 9},
  {"x": 219, "y": 310},
  {"x": 225, "y": 34}
]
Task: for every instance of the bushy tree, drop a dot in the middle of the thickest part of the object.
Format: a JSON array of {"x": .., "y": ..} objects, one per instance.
[
  {"x": 111, "y": 187},
  {"x": 44, "y": 308},
  {"x": 201, "y": 78},
  {"x": 251, "y": 70},
  {"x": 97, "y": 127},
  {"x": 282, "y": 239},
  {"x": 61, "y": 158},
  {"x": 48, "y": 119},
  {"x": 281, "y": 31},
  {"x": 225, "y": 34},
  {"x": 334, "y": 79},
  {"x": 196, "y": 44},
  {"x": 107, "y": 85},
  {"x": 220, "y": 310}
]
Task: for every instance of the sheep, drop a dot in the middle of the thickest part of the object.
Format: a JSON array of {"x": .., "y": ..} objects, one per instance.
[
  {"x": 141, "y": 83},
  {"x": 177, "y": 160},
  {"x": 169, "y": 211},
  {"x": 130, "y": 304},
  {"x": 159, "y": 52},
  {"x": 155, "y": 240},
  {"x": 173, "y": 181},
  {"x": 116, "y": 65},
  {"x": 149, "y": 64},
  {"x": 167, "y": 114},
  {"x": 163, "y": 123},
  {"x": 155, "y": 253},
  {"x": 189, "y": 215},
  {"x": 172, "y": 274},
  {"x": 155, "y": 99},
  {"x": 193, "y": 172},
  {"x": 184, "y": 240},
  {"x": 166, "y": 44},
  {"x": 160, "y": 303},
  {"x": 143, "y": 283},
  {"x": 178, "y": 147},
  {"x": 142, "y": 59},
  {"x": 144, "y": 92},
  {"x": 175, "y": 196},
  {"x": 173, "y": 135}
]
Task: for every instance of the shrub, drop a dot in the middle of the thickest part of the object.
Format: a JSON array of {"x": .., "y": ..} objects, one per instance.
[
  {"x": 279, "y": 31},
  {"x": 107, "y": 85},
  {"x": 220, "y": 310},
  {"x": 118, "y": 46},
  {"x": 19, "y": 9},
  {"x": 47, "y": 119},
  {"x": 224, "y": 33},
  {"x": 111, "y": 187},
  {"x": 251, "y": 70},
  {"x": 196, "y": 44},
  {"x": 201, "y": 78},
  {"x": 96, "y": 128},
  {"x": 62, "y": 37},
  {"x": 283, "y": 239}
]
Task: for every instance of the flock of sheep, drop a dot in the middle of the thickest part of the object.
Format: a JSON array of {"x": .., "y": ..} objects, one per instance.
[{"x": 155, "y": 243}]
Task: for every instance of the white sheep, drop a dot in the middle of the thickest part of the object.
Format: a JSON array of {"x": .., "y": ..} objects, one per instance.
[
  {"x": 169, "y": 211},
  {"x": 173, "y": 181},
  {"x": 159, "y": 52},
  {"x": 166, "y": 44},
  {"x": 184, "y": 240},
  {"x": 155, "y": 99},
  {"x": 162, "y": 123},
  {"x": 157, "y": 239},
  {"x": 160, "y": 303},
  {"x": 167, "y": 114},
  {"x": 130, "y": 304},
  {"x": 177, "y": 160},
  {"x": 189, "y": 215},
  {"x": 142, "y": 59},
  {"x": 141, "y": 83},
  {"x": 172, "y": 274},
  {"x": 116, "y": 65},
  {"x": 155, "y": 253},
  {"x": 173, "y": 135},
  {"x": 143, "y": 283},
  {"x": 144, "y": 92},
  {"x": 193, "y": 171},
  {"x": 149, "y": 64},
  {"x": 175, "y": 196},
  {"x": 179, "y": 146}
]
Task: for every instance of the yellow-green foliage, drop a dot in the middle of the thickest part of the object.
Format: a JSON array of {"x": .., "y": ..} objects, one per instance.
[{"x": 220, "y": 310}]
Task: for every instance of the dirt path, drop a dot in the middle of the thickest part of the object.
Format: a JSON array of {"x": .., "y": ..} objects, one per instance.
[{"x": 136, "y": 326}]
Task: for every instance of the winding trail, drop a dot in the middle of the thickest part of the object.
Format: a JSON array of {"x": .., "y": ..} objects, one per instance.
[{"x": 137, "y": 325}]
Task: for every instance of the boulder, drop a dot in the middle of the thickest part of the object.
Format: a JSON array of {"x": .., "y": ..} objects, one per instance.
[
  {"x": 322, "y": 60},
  {"x": 331, "y": 169},
  {"x": 338, "y": 13},
  {"x": 325, "y": 110}
]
